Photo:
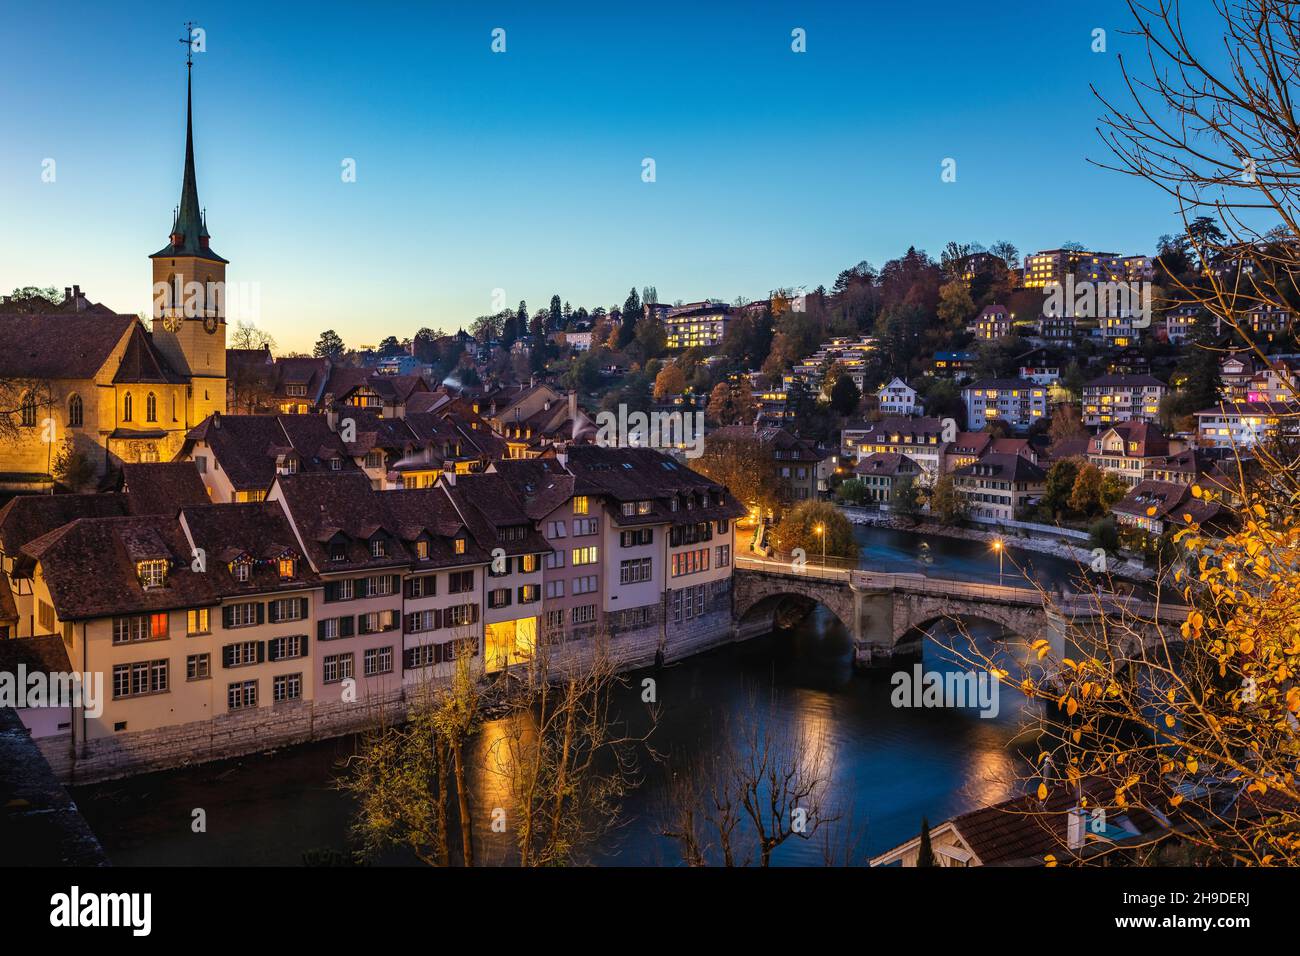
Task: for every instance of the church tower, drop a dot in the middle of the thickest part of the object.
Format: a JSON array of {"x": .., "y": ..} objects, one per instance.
[{"x": 189, "y": 288}]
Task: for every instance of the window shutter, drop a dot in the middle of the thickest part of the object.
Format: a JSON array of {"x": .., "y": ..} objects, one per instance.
[
  {"x": 437, "y": 619},
  {"x": 261, "y": 612},
  {"x": 347, "y": 626},
  {"x": 273, "y": 614},
  {"x": 320, "y": 630},
  {"x": 305, "y": 650},
  {"x": 395, "y": 584},
  {"x": 227, "y": 613},
  {"x": 303, "y": 609},
  {"x": 261, "y": 650},
  {"x": 473, "y": 613},
  {"x": 270, "y": 651},
  {"x": 227, "y": 655},
  {"x": 394, "y": 619}
]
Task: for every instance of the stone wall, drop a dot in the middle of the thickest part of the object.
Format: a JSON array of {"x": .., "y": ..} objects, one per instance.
[
  {"x": 280, "y": 725},
  {"x": 228, "y": 735}
]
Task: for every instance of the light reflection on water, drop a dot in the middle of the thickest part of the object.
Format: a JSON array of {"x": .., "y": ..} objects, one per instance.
[{"x": 891, "y": 765}]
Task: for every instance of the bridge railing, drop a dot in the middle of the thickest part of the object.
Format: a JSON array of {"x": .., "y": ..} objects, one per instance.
[
  {"x": 805, "y": 570},
  {"x": 923, "y": 584},
  {"x": 1069, "y": 603}
]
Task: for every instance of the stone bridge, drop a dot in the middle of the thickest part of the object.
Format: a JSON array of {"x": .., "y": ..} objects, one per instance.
[{"x": 882, "y": 611}]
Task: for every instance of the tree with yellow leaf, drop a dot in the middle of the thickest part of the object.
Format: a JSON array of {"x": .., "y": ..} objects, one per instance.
[{"x": 1183, "y": 710}]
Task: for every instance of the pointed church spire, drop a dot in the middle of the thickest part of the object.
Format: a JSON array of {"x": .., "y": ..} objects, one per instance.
[{"x": 189, "y": 233}]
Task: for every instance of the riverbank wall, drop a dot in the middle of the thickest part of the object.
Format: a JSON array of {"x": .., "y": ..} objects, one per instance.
[{"x": 634, "y": 639}]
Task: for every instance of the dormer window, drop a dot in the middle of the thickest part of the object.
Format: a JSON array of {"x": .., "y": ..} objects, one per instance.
[
  {"x": 338, "y": 552},
  {"x": 286, "y": 567},
  {"x": 242, "y": 571},
  {"x": 378, "y": 549},
  {"x": 458, "y": 546},
  {"x": 422, "y": 550},
  {"x": 153, "y": 574},
  {"x": 336, "y": 464}
]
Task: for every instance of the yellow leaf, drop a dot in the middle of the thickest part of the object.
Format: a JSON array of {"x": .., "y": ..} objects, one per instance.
[{"x": 1042, "y": 791}]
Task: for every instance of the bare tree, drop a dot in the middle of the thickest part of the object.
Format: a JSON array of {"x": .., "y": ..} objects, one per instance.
[
  {"x": 561, "y": 758},
  {"x": 759, "y": 785}
]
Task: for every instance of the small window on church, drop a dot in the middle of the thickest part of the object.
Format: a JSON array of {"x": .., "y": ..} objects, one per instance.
[
  {"x": 151, "y": 407},
  {"x": 127, "y": 404},
  {"x": 29, "y": 411},
  {"x": 74, "y": 412}
]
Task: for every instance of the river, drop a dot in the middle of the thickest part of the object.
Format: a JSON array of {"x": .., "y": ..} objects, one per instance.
[{"x": 891, "y": 766}]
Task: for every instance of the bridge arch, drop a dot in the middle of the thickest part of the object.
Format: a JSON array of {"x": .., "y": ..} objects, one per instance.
[
  {"x": 758, "y": 596},
  {"x": 765, "y": 606},
  {"x": 918, "y": 614}
]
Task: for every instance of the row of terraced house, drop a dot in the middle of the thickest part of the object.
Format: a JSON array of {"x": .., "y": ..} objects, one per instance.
[{"x": 225, "y": 628}]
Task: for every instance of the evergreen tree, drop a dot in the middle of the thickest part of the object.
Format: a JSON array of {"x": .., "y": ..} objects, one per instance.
[
  {"x": 925, "y": 855},
  {"x": 845, "y": 395},
  {"x": 557, "y": 313},
  {"x": 631, "y": 312}
]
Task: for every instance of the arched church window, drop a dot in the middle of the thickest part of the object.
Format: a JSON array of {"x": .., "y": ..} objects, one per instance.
[
  {"x": 29, "y": 411},
  {"x": 151, "y": 407},
  {"x": 74, "y": 412},
  {"x": 127, "y": 409}
]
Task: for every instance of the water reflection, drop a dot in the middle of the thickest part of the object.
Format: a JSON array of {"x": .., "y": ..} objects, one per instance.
[{"x": 891, "y": 765}]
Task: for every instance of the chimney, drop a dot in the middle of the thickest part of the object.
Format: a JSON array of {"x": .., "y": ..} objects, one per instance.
[
  {"x": 1076, "y": 828},
  {"x": 67, "y": 293},
  {"x": 216, "y": 419}
]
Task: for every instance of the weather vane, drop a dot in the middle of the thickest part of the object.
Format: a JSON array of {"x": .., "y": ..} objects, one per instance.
[{"x": 188, "y": 40}]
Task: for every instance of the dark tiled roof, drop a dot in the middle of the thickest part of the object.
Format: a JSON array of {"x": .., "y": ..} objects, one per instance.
[
  {"x": 1024, "y": 830},
  {"x": 542, "y": 483},
  {"x": 90, "y": 567},
  {"x": 27, "y": 517},
  {"x": 143, "y": 363},
  {"x": 340, "y": 510},
  {"x": 488, "y": 504},
  {"x": 248, "y": 446},
  {"x": 258, "y": 533},
  {"x": 1171, "y": 501},
  {"x": 778, "y": 441},
  {"x": 640, "y": 474},
  {"x": 888, "y": 464},
  {"x": 1004, "y": 467},
  {"x": 1148, "y": 437},
  {"x": 46, "y": 654},
  {"x": 162, "y": 488},
  {"x": 59, "y": 346}
]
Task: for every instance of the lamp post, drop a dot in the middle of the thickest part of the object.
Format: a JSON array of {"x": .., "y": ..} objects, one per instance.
[
  {"x": 821, "y": 533},
  {"x": 997, "y": 546}
]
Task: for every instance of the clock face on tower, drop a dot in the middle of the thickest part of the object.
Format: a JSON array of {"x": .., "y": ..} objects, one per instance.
[
  {"x": 210, "y": 324},
  {"x": 172, "y": 323}
]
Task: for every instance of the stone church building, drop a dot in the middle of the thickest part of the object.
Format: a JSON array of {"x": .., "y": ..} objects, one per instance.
[{"x": 79, "y": 375}]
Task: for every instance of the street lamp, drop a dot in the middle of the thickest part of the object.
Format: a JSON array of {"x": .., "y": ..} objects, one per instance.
[
  {"x": 997, "y": 546},
  {"x": 821, "y": 533}
]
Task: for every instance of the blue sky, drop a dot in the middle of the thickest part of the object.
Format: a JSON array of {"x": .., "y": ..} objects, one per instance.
[{"x": 522, "y": 171}]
